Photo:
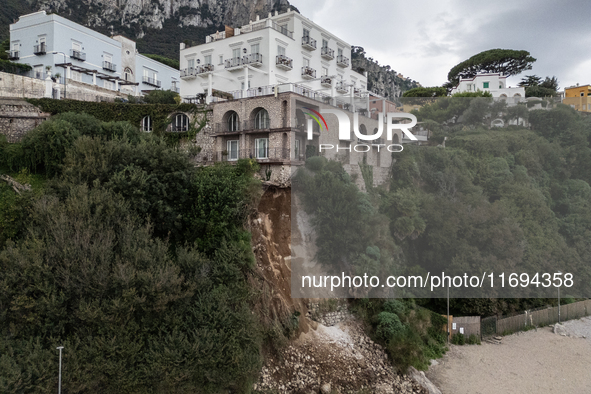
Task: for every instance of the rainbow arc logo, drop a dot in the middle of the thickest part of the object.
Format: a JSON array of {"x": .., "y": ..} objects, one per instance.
[{"x": 316, "y": 115}]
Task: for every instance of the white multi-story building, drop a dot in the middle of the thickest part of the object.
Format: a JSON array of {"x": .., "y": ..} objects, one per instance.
[
  {"x": 494, "y": 83},
  {"x": 281, "y": 49}
]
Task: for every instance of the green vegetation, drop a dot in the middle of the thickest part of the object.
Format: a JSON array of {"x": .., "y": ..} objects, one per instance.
[
  {"x": 436, "y": 91},
  {"x": 174, "y": 63},
  {"x": 133, "y": 259},
  {"x": 535, "y": 87},
  {"x": 506, "y": 61},
  {"x": 411, "y": 335}
]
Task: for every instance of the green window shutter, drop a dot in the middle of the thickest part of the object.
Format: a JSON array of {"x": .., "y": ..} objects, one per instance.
[{"x": 485, "y": 85}]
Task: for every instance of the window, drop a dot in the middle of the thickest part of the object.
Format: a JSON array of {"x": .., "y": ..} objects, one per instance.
[
  {"x": 108, "y": 58},
  {"x": 232, "y": 147},
  {"x": 221, "y": 59},
  {"x": 147, "y": 124},
  {"x": 190, "y": 64},
  {"x": 38, "y": 70},
  {"x": 261, "y": 148},
  {"x": 485, "y": 85},
  {"x": 306, "y": 62},
  {"x": 582, "y": 94},
  {"x": 42, "y": 40},
  {"x": 242, "y": 85},
  {"x": 306, "y": 33},
  {"x": 280, "y": 50},
  {"x": 77, "y": 76},
  {"x": 340, "y": 52},
  {"x": 236, "y": 52},
  {"x": 297, "y": 149},
  {"x": 324, "y": 71},
  {"x": 254, "y": 48},
  {"x": 233, "y": 122},
  {"x": 127, "y": 74},
  {"x": 324, "y": 43},
  {"x": 261, "y": 120},
  {"x": 207, "y": 59},
  {"x": 180, "y": 123}
]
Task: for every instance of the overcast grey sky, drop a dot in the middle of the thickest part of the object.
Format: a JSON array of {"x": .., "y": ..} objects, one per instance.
[{"x": 424, "y": 39}]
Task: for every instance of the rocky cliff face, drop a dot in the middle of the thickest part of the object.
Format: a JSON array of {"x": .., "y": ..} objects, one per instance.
[{"x": 383, "y": 80}]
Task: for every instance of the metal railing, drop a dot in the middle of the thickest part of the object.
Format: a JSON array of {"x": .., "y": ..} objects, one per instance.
[
  {"x": 260, "y": 91},
  {"x": 78, "y": 55},
  {"x": 260, "y": 154},
  {"x": 326, "y": 52},
  {"x": 13, "y": 55},
  {"x": 40, "y": 49},
  {"x": 309, "y": 42},
  {"x": 308, "y": 72},
  {"x": 341, "y": 87},
  {"x": 188, "y": 72},
  {"x": 326, "y": 81},
  {"x": 342, "y": 61},
  {"x": 109, "y": 66},
  {"x": 233, "y": 62},
  {"x": 227, "y": 127},
  {"x": 282, "y": 29},
  {"x": 284, "y": 62},
  {"x": 152, "y": 81},
  {"x": 249, "y": 125},
  {"x": 255, "y": 59}
]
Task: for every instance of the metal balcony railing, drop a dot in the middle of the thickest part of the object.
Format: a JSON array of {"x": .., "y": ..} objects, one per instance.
[
  {"x": 308, "y": 72},
  {"x": 40, "y": 49},
  {"x": 109, "y": 66},
  {"x": 284, "y": 62},
  {"x": 152, "y": 81},
  {"x": 13, "y": 55},
  {"x": 78, "y": 55},
  {"x": 261, "y": 154},
  {"x": 282, "y": 29},
  {"x": 254, "y": 59},
  {"x": 326, "y": 81},
  {"x": 248, "y": 125},
  {"x": 327, "y": 53},
  {"x": 342, "y": 61},
  {"x": 341, "y": 87},
  {"x": 308, "y": 42},
  {"x": 233, "y": 62},
  {"x": 227, "y": 127},
  {"x": 189, "y": 72}
]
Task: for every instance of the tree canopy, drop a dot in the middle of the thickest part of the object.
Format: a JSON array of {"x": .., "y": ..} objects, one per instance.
[
  {"x": 535, "y": 87},
  {"x": 436, "y": 91},
  {"x": 506, "y": 61}
]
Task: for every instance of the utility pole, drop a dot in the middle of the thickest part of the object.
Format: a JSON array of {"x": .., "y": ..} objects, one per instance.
[{"x": 59, "y": 382}]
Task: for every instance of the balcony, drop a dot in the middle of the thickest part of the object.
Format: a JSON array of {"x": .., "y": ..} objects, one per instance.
[
  {"x": 342, "y": 61},
  {"x": 254, "y": 59},
  {"x": 13, "y": 55},
  {"x": 261, "y": 154},
  {"x": 40, "y": 49},
  {"x": 226, "y": 127},
  {"x": 283, "y": 62},
  {"x": 249, "y": 125},
  {"x": 308, "y": 72},
  {"x": 204, "y": 70},
  {"x": 188, "y": 73},
  {"x": 74, "y": 54},
  {"x": 309, "y": 43},
  {"x": 234, "y": 63},
  {"x": 327, "y": 53},
  {"x": 326, "y": 82},
  {"x": 341, "y": 87},
  {"x": 152, "y": 82},
  {"x": 109, "y": 66},
  {"x": 282, "y": 29}
]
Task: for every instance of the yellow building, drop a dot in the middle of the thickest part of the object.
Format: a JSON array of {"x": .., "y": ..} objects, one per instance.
[{"x": 578, "y": 97}]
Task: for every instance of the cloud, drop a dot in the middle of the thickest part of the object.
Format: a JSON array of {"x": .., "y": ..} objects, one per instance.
[{"x": 424, "y": 39}]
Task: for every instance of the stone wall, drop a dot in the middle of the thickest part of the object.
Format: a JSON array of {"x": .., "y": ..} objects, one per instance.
[
  {"x": 17, "y": 117},
  {"x": 329, "y": 312},
  {"x": 19, "y": 86}
]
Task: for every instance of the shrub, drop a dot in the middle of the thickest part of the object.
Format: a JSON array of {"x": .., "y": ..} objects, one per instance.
[
  {"x": 473, "y": 340},
  {"x": 388, "y": 326},
  {"x": 458, "y": 339},
  {"x": 316, "y": 163},
  {"x": 395, "y": 306}
]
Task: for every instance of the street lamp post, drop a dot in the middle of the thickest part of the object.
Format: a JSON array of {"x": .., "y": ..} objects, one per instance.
[
  {"x": 65, "y": 74},
  {"x": 559, "y": 301},
  {"x": 59, "y": 382}
]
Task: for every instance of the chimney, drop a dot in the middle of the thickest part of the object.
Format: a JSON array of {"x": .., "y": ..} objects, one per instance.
[
  {"x": 270, "y": 15},
  {"x": 276, "y": 12},
  {"x": 182, "y": 46},
  {"x": 257, "y": 19}
]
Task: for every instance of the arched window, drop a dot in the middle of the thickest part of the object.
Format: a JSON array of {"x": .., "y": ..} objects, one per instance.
[
  {"x": 147, "y": 124},
  {"x": 180, "y": 123},
  {"x": 127, "y": 73},
  {"x": 233, "y": 122},
  {"x": 261, "y": 119}
]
